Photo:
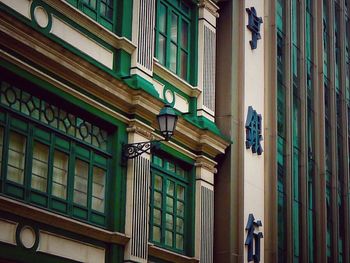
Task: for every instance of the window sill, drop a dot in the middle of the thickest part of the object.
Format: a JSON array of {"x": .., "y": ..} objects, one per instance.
[
  {"x": 172, "y": 78},
  {"x": 39, "y": 215},
  {"x": 168, "y": 255},
  {"x": 94, "y": 27}
]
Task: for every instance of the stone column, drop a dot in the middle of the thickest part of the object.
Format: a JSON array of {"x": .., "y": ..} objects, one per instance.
[
  {"x": 137, "y": 198},
  {"x": 204, "y": 218}
]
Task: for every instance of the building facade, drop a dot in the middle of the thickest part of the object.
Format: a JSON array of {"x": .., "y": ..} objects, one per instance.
[
  {"x": 297, "y": 78},
  {"x": 80, "y": 79}
]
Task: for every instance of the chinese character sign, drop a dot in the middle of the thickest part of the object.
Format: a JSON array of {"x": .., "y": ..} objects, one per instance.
[
  {"x": 253, "y": 131},
  {"x": 253, "y": 238},
  {"x": 254, "y": 26}
]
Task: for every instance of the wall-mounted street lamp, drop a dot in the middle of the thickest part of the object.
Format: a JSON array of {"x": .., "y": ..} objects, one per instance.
[{"x": 167, "y": 119}]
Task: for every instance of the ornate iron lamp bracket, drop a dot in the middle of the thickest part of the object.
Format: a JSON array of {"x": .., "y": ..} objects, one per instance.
[{"x": 132, "y": 150}]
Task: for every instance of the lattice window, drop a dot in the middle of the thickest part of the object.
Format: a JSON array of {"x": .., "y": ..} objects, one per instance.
[
  {"x": 169, "y": 204},
  {"x": 102, "y": 11},
  {"x": 174, "y": 28},
  {"x": 52, "y": 158}
]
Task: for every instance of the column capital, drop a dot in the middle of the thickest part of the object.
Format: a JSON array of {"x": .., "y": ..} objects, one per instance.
[
  {"x": 210, "y": 6},
  {"x": 206, "y": 163}
]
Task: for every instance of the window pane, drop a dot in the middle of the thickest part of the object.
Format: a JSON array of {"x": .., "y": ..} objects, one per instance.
[
  {"x": 179, "y": 241},
  {"x": 173, "y": 57},
  {"x": 168, "y": 238},
  {"x": 180, "y": 208},
  {"x": 161, "y": 49},
  {"x": 157, "y": 199},
  {"x": 180, "y": 192},
  {"x": 60, "y": 172},
  {"x": 183, "y": 65},
  {"x": 156, "y": 234},
  {"x": 157, "y": 160},
  {"x": 158, "y": 182},
  {"x": 81, "y": 182},
  {"x": 91, "y": 3},
  {"x": 170, "y": 167},
  {"x": 16, "y": 158},
  {"x": 169, "y": 204},
  {"x": 169, "y": 221},
  {"x": 157, "y": 217},
  {"x": 180, "y": 225},
  {"x": 40, "y": 166},
  {"x": 184, "y": 35},
  {"x": 170, "y": 188},
  {"x": 162, "y": 18},
  {"x": 180, "y": 171},
  {"x": 174, "y": 21},
  {"x": 98, "y": 189}
]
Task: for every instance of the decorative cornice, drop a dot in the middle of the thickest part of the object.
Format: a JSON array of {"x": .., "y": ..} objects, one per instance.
[
  {"x": 210, "y": 6},
  {"x": 206, "y": 163},
  {"x": 136, "y": 126}
]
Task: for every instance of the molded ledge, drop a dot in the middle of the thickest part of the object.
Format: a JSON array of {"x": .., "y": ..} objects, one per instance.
[
  {"x": 137, "y": 82},
  {"x": 169, "y": 256},
  {"x": 68, "y": 224}
]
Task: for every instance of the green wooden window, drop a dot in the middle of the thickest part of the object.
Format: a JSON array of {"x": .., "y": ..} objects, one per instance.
[
  {"x": 102, "y": 11},
  {"x": 169, "y": 204},
  {"x": 174, "y": 28},
  {"x": 52, "y": 158}
]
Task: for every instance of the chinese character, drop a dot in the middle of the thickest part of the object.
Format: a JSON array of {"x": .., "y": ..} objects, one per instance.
[
  {"x": 253, "y": 239},
  {"x": 254, "y": 26},
  {"x": 253, "y": 131}
]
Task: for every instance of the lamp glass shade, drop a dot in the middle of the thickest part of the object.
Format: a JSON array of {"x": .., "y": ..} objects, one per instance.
[{"x": 167, "y": 119}]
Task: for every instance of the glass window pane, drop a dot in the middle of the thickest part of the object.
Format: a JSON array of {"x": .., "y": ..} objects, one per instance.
[
  {"x": 168, "y": 238},
  {"x": 179, "y": 225},
  {"x": 173, "y": 57},
  {"x": 161, "y": 49},
  {"x": 103, "y": 9},
  {"x": 40, "y": 166},
  {"x": 180, "y": 192},
  {"x": 169, "y": 204},
  {"x": 183, "y": 65},
  {"x": 98, "y": 189},
  {"x": 170, "y": 186},
  {"x": 171, "y": 167},
  {"x": 16, "y": 158},
  {"x": 157, "y": 160},
  {"x": 162, "y": 18},
  {"x": 174, "y": 21},
  {"x": 156, "y": 234},
  {"x": 91, "y": 3},
  {"x": 180, "y": 208},
  {"x": 81, "y": 182},
  {"x": 157, "y": 199},
  {"x": 169, "y": 221},
  {"x": 179, "y": 241},
  {"x": 158, "y": 182},
  {"x": 157, "y": 217},
  {"x": 60, "y": 172},
  {"x": 180, "y": 171},
  {"x": 184, "y": 35}
]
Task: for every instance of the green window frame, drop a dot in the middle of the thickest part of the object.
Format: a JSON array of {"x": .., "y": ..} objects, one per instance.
[
  {"x": 53, "y": 159},
  {"x": 102, "y": 11},
  {"x": 174, "y": 35},
  {"x": 169, "y": 205}
]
